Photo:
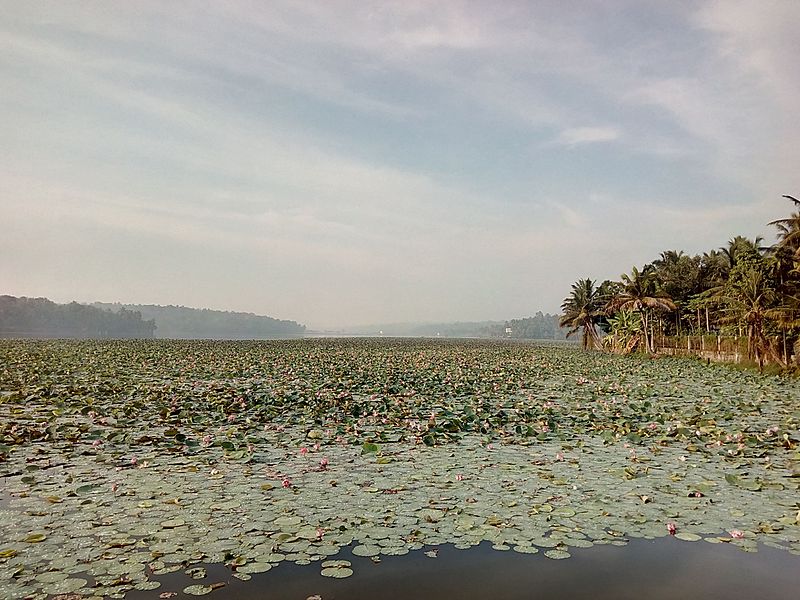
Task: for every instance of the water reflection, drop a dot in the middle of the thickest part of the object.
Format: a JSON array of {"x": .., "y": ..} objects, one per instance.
[{"x": 654, "y": 569}]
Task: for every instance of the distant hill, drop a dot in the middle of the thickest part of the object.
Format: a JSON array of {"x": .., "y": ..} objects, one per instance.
[
  {"x": 42, "y": 318},
  {"x": 541, "y": 326},
  {"x": 181, "y": 322}
]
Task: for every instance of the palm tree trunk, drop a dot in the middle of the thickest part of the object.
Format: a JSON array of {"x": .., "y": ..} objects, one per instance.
[{"x": 643, "y": 314}]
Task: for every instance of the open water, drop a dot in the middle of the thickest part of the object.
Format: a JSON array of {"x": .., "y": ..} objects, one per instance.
[{"x": 652, "y": 569}]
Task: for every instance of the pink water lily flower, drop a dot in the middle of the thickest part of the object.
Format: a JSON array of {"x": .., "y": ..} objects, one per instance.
[
  {"x": 323, "y": 464},
  {"x": 303, "y": 451},
  {"x": 671, "y": 528},
  {"x": 286, "y": 482},
  {"x": 736, "y": 534}
]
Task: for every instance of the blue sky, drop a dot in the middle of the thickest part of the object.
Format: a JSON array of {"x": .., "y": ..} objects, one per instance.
[{"x": 343, "y": 163}]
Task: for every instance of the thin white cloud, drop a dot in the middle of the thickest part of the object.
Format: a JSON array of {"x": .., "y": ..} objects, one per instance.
[{"x": 577, "y": 136}]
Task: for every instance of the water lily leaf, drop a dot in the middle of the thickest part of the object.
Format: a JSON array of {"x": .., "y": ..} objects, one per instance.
[
  {"x": 198, "y": 590},
  {"x": 337, "y": 572},
  {"x": 687, "y": 536},
  {"x": 255, "y": 567},
  {"x": 67, "y": 586},
  {"x": 369, "y": 447},
  {"x": 336, "y": 563},
  {"x": 173, "y": 523},
  {"x": 366, "y": 550},
  {"x": 196, "y": 573}
]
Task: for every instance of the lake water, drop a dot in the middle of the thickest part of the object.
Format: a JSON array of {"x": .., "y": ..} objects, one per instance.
[{"x": 663, "y": 568}]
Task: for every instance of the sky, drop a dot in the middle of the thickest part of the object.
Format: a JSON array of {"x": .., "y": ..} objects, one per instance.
[{"x": 344, "y": 162}]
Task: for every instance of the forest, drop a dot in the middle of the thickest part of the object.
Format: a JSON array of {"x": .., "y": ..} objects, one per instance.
[
  {"x": 181, "y": 322},
  {"x": 745, "y": 290},
  {"x": 40, "y": 317}
]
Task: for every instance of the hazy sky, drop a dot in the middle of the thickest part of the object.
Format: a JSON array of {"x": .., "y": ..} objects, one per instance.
[{"x": 352, "y": 162}]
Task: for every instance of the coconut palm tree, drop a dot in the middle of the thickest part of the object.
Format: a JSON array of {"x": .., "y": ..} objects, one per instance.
[
  {"x": 749, "y": 300},
  {"x": 741, "y": 248},
  {"x": 789, "y": 232},
  {"x": 784, "y": 263},
  {"x": 583, "y": 310},
  {"x": 641, "y": 295}
]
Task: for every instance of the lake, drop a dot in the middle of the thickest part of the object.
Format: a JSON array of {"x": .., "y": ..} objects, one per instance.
[{"x": 142, "y": 467}]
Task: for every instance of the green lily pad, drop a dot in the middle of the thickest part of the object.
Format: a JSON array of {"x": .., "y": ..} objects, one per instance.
[
  {"x": 366, "y": 550},
  {"x": 337, "y": 572}
]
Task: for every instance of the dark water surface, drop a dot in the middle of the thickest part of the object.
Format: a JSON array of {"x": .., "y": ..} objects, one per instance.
[{"x": 663, "y": 568}]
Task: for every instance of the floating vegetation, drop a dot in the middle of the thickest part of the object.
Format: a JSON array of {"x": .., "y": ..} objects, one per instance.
[{"x": 127, "y": 460}]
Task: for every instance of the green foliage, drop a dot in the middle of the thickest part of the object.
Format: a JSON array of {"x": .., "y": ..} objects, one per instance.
[
  {"x": 626, "y": 332},
  {"x": 180, "y": 322},
  {"x": 742, "y": 288},
  {"x": 538, "y": 327},
  {"x": 583, "y": 310},
  {"x": 39, "y": 317}
]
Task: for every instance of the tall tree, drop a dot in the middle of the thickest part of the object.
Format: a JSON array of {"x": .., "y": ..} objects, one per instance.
[
  {"x": 640, "y": 294},
  {"x": 784, "y": 262},
  {"x": 583, "y": 310},
  {"x": 741, "y": 248},
  {"x": 749, "y": 301},
  {"x": 678, "y": 275}
]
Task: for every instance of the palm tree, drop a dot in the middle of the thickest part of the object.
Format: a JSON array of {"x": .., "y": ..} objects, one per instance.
[
  {"x": 784, "y": 262},
  {"x": 641, "y": 295},
  {"x": 741, "y": 248},
  {"x": 749, "y": 300},
  {"x": 789, "y": 232},
  {"x": 583, "y": 309}
]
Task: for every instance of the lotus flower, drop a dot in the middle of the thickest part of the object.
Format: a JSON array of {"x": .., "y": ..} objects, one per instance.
[
  {"x": 736, "y": 534},
  {"x": 671, "y": 528}
]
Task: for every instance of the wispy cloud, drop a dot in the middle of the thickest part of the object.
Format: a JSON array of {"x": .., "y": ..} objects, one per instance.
[{"x": 587, "y": 135}]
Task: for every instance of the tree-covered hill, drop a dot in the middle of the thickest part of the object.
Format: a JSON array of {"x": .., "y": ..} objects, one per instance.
[
  {"x": 40, "y": 317},
  {"x": 181, "y": 322}
]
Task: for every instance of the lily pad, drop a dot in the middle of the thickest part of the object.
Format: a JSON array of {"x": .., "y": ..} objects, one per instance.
[{"x": 337, "y": 572}]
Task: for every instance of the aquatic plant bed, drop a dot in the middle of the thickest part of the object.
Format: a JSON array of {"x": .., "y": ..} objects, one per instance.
[{"x": 124, "y": 461}]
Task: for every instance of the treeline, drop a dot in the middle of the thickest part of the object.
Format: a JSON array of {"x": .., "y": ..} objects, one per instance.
[
  {"x": 40, "y": 317},
  {"x": 180, "y": 322},
  {"x": 741, "y": 289},
  {"x": 541, "y": 326}
]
